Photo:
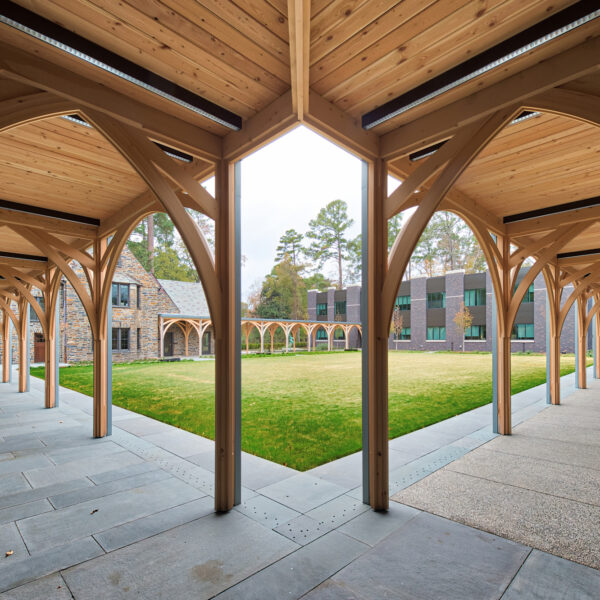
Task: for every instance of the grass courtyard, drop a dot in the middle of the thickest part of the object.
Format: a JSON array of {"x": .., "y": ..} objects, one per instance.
[{"x": 305, "y": 410}]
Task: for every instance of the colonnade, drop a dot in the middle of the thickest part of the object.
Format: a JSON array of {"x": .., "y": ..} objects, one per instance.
[{"x": 290, "y": 329}]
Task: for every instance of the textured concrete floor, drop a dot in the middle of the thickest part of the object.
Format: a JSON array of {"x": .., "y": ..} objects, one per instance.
[
  {"x": 539, "y": 487},
  {"x": 131, "y": 516}
]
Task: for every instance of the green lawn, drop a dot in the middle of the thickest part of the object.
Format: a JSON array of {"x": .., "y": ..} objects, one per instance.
[{"x": 305, "y": 410}]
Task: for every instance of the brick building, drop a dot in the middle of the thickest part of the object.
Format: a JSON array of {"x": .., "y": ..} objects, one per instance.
[
  {"x": 429, "y": 305},
  {"x": 138, "y": 298}
]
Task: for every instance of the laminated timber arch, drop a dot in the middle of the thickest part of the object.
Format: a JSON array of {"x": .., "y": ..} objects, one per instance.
[{"x": 270, "y": 66}]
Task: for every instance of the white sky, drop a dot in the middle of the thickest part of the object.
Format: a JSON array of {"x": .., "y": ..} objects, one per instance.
[{"x": 284, "y": 185}]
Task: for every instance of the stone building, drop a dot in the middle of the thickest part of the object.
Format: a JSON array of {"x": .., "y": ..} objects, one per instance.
[
  {"x": 138, "y": 298},
  {"x": 428, "y": 306}
]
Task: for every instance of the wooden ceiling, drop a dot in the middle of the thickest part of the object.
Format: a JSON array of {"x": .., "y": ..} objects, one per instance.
[{"x": 324, "y": 65}]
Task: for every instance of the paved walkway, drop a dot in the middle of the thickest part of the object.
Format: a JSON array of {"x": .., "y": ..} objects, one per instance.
[{"x": 130, "y": 516}]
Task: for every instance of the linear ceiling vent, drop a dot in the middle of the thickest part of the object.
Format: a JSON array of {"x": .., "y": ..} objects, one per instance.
[
  {"x": 543, "y": 32},
  {"x": 46, "y": 31}
]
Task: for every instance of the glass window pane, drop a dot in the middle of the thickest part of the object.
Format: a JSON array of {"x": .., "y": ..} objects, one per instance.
[
  {"x": 115, "y": 294},
  {"x": 124, "y": 295},
  {"x": 124, "y": 339},
  {"x": 115, "y": 338}
]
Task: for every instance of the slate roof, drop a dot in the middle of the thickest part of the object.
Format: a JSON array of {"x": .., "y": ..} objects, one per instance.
[{"x": 188, "y": 296}]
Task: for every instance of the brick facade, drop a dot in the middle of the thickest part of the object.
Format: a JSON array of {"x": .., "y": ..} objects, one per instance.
[{"x": 454, "y": 284}]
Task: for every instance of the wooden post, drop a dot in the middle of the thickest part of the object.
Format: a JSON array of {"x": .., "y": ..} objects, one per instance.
[
  {"x": 23, "y": 346},
  {"x": 161, "y": 338},
  {"x": 6, "y": 348},
  {"x": 52, "y": 352},
  {"x": 271, "y": 332},
  {"x": 503, "y": 336},
  {"x": 102, "y": 341},
  {"x": 580, "y": 343},
  {"x": 228, "y": 339},
  {"x": 596, "y": 338},
  {"x": 376, "y": 336}
]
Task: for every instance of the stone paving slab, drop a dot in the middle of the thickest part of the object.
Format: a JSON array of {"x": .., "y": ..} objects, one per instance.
[
  {"x": 24, "y": 463},
  {"x": 50, "y": 529},
  {"x": 30, "y": 495},
  {"x": 547, "y": 577},
  {"x": 298, "y": 573},
  {"x": 303, "y": 530},
  {"x": 22, "y": 511},
  {"x": 129, "y": 471},
  {"x": 90, "y": 451},
  {"x": 140, "y": 529},
  {"x": 265, "y": 511},
  {"x": 52, "y": 587},
  {"x": 11, "y": 483},
  {"x": 180, "y": 442},
  {"x": 431, "y": 558},
  {"x": 302, "y": 492},
  {"x": 338, "y": 511},
  {"x": 210, "y": 554},
  {"x": 45, "y": 563},
  {"x": 105, "y": 489},
  {"x": 371, "y": 527},
  {"x": 142, "y": 426},
  {"x": 40, "y": 477},
  {"x": 11, "y": 541}
]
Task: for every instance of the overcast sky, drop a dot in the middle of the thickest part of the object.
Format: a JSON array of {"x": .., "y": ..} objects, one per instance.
[{"x": 284, "y": 185}]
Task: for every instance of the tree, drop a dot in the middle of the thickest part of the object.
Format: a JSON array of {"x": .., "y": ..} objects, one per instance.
[
  {"x": 354, "y": 271},
  {"x": 168, "y": 265},
  {"x": 290, "y": 244},
  {"x": 397, "y": 323},
  {"x": 329, "y": 234},
  {"x": 317, "y": 281},
  {"x": 140, "y": 243},
  {"x": 394, "y": 227},
  {"x": 463, "y": 319},
  {"x": 283, "y": 293}
]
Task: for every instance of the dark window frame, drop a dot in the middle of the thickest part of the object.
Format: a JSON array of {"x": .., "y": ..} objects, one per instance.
[
  {"x": 433, "y": 330},
  {"x": 435, "y": 298},
  {"x": 480, "y": 336},
  {"x": 475, "y": 297},
  {"x": 402, "y": 303},
  {"x": 120, "y": 338},
  {"x": 519, "y": 329},
  {"x": 119, "y": 287},
  {"x": 320, "y": 309}
]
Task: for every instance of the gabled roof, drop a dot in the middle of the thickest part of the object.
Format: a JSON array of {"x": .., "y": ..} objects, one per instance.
[{"x": 188, "y": 296}]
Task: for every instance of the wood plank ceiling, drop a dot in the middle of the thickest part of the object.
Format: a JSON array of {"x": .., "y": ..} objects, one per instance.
[{"x": 236, "y": 54}]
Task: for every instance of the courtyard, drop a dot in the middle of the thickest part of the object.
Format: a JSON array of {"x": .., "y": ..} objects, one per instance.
[{"x": 304, "y": 410}]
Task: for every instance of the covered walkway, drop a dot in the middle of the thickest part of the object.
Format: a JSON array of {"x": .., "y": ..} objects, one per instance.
[{"x": 132, "y": 515}]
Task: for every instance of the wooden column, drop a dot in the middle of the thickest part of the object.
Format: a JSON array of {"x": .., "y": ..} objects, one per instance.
[
  {"x": 596, "y": 338},
  {"x": 52, "y": 353},
  {"x": 376, "y": 350},
  {"x": 228, "y": 338},
  {"x": 502, "y": 374},
  {"x": 23, "y": 346},
  {"x": 6, "y": 348},
  {"x": 580, "y": 343},
  {"x": 552, "y": 350},
  {"x": 102, "y": 345}
]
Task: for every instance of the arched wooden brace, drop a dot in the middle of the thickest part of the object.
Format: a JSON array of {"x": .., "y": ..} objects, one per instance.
[
  {"x": 23, "y": 333},
  {"x": 272, "y": 328},
  {"x": 594, "y": 312},
  {"x": 51, "y": 312},
  {"x": 201, "y": 331},
  {"x": 11, "y": 276},
  {"x": 581, "y": 341},
  {"x": 7, "y": 316},
  {"x": 551, "y": 274},
  {"x": 385, "y": 275},
  {"x": 247, "y": 327}
]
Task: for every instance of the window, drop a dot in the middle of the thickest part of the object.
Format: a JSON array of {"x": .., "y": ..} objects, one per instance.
[
  {"x": 529, "y": 296},
  {"x": 403, "y": 302},
  {"x": 523, "y": 331},
  {"x": 322, "y": 309},
  {"x": 404, "y": 334},
  {"x": 139, "y": 338},
  {"x": 340, "y": 308},
  {"x": 321, "y": 334},
  {"x": 139, "y": 297},
  {"x": 475, "y": 297},
  {"x": 436, "y": 300},
  {"x": 32, "y": 314},
  {"x": 120, "y": 294},
  {"x": 475, "y": 332},
  {"x": 120, "y": 338},
  {"x": 436, "y": 333},
  {"x": 339, "y": 334}
]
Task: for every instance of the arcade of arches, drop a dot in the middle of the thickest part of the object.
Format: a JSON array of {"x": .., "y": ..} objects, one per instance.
[{"x": 182, "y": 96}]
